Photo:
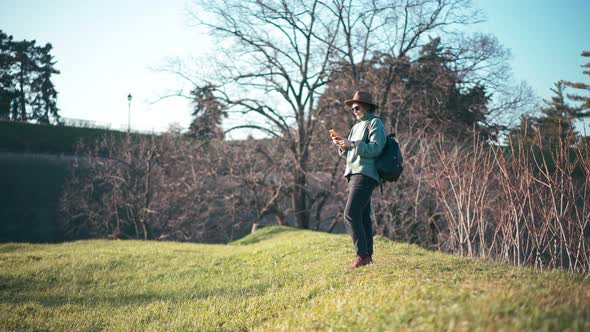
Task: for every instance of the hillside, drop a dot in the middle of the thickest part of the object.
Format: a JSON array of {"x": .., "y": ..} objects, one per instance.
[
  {"x": 29, "y": 202},
  {"x": 40, "y": 138},
  {"x": 277, "y": 279}
]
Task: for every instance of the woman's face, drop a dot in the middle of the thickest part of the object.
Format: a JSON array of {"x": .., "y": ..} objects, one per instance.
[{"x": 358, "y": 110}]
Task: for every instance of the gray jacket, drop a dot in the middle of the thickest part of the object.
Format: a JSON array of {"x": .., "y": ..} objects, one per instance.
[{"x": 360, "y": 159}]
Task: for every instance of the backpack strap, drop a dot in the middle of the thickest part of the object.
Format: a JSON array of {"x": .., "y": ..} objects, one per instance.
[
  {"x": 367, "y": 135},
  {"x": 367, "y": 127}
]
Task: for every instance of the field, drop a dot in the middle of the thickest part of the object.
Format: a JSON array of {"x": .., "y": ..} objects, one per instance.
[{"x": 277, "y": 279}]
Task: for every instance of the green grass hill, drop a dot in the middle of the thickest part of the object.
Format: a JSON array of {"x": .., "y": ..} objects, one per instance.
[
  {"x": 40, "y": 138},
  {"x": 277, "y": 279}
]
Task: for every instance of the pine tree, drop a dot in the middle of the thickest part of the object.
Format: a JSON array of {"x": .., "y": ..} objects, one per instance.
[
  {"x": 208, "y": 112},
  {"x": 556, "y": 123},
  {"x": 583, "y": 110},
  {"x": 25, "y": 67},
  {"x": 554, "y": 126},
  {"x": 45, "y": 100},
  {"x": 26, "y": 90},
  {"x": 6, "y": 80}
]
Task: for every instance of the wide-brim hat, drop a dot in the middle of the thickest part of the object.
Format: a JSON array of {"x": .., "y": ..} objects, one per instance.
[{"x": 362, "y": 97}]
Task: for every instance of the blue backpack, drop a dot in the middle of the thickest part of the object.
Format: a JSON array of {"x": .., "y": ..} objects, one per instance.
[{"x": 389, "y": 163}]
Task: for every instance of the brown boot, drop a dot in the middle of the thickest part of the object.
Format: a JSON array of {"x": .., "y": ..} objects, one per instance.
[{"x": 361, "y": 261}]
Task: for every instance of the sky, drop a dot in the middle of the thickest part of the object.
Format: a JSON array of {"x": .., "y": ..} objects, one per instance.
[{"x": 108, "y": 49}]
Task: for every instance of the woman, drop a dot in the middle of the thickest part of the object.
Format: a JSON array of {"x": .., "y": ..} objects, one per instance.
[{"x": 363, "y": 145}]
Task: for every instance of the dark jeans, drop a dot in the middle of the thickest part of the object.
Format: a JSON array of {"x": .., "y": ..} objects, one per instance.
[{"x": 357, "y": 213}]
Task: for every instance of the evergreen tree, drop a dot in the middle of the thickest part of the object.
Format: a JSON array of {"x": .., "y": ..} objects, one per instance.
[
  {"x": 555, "y": 125},
  {"x": 45, "y": 101},
  {"x": 467, "y": 110},
  {"x": 583, "y": 110},
  {"x": 552, "y": 127},
  {"x": 6, "y": 80},
  {"x": 208, "y": 112},
  {"x": 556, "y": 121},
  {"x": 25, "y": 68},
  {"x": 26, "y": 90}
]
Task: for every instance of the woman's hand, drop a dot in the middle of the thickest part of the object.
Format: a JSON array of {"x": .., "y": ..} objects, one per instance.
[
  {"x": 341, "y": 142},
  {"x": 346, "y": 143},
  {"x": 336, "y": 140}
]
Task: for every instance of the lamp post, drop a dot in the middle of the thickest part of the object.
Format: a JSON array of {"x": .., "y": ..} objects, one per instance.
[{"x": 129, "y": 113}]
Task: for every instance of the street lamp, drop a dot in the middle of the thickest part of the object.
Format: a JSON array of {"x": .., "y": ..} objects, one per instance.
[{"x": 129, "y": 113}]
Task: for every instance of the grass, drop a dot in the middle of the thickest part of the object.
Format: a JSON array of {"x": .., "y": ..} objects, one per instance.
[{"x": 276, "y": 279}]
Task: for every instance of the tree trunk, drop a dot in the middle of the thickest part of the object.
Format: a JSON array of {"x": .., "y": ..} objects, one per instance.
[
  {"x": 22, "y": 104},
  {"x": 300, "y": 201}
]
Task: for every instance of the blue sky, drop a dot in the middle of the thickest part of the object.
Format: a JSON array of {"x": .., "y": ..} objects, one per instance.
[
  {"x": 107, "y": 49},
  {"x": 545, "y": 37}
]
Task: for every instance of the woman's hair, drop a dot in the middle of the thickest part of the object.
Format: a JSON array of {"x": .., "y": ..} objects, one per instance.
[{"x": 369, "y": 108}]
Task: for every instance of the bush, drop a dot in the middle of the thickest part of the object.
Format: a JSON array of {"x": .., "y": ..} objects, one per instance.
[
  {"x": 525, "y": 204},
  {"x": 513, "y": 203}
]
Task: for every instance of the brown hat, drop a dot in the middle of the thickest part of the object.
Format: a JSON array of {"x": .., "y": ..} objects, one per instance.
[{"x": 362, "y": 97}]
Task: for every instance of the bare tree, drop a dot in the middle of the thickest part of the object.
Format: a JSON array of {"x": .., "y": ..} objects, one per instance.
[
  {"x": 111, "y": 188},
  {"x": 524, "y": 204},
  {"x": 147, "y": 187},
  {"x": 395, "y": 28},
  {"x": 274, "y": 69},
  {"x": 462, "y": 185},
  {"x": 382, "y": 43},
  {"x": 174, "y": 187},
  {"x": 275, "y": 58}
]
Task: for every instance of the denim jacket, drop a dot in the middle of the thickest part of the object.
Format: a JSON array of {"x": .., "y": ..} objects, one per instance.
[{"x": 360, "y": 159}]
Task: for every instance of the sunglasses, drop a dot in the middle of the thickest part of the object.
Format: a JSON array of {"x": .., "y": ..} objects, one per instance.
[{"x": 356, "y": 108}]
